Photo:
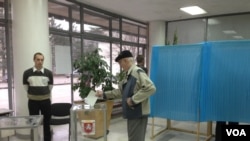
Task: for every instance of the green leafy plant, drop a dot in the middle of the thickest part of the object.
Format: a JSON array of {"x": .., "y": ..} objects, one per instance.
[
  {"x": 120, "y": 76},
  {"x": 94, "y": 72},
  {"x": 175, "y": 40}
]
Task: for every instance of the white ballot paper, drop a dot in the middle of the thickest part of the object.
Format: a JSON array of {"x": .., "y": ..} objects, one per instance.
[{"x": 91, "y": 98}]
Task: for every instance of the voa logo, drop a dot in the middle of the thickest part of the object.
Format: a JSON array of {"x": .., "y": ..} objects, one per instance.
[{"x": 236, "y": 132}]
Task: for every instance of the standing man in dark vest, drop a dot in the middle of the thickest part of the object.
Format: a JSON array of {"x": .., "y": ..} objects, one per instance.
[{"x": 134, "y": 90}]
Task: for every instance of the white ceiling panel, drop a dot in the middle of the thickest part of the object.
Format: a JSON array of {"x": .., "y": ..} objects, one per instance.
[{"x": 168, "y": 10}]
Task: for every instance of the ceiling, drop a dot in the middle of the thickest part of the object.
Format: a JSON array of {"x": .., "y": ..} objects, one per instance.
[{"x": 167, "y": 10}]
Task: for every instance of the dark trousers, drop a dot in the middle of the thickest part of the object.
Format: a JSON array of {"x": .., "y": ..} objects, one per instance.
[
  {"x": 44, "y": 106},
  {"x": 137, "y": 129},
  {"x": 218, "y": 130}
]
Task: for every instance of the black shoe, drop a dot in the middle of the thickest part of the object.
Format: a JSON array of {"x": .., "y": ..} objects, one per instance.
[
  {"x": 46, "y": 138},
  {"x": 107, "y": 132}
]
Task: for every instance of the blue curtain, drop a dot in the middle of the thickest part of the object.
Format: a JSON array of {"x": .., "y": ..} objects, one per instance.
[
  {"x": 175, "y": 70},
  {"x": 202, "y": 82},
  {"x": 227, "y": 89}
]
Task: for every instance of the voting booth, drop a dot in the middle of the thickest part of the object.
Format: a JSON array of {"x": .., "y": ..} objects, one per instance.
[{"x": 201, "y": 82}]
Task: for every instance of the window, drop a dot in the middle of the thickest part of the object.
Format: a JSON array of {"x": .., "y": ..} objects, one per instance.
[
  {"x": 229, "y": 28},
  {"x": 73, "y": 33},
  {"x": 189, "y": 31},
  {"x": 95, "y": 23}
]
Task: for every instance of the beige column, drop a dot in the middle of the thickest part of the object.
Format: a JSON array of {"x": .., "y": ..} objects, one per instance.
[
  {"x": 157, "y": 34},
  {"x": 30, "y": 34}
]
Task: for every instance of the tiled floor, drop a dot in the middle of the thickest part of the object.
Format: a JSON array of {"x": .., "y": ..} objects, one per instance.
[{"x": 118, "y": 132}]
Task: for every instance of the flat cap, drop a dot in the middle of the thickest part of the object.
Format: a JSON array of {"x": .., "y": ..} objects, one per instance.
[{"x": 123, "y": 54}]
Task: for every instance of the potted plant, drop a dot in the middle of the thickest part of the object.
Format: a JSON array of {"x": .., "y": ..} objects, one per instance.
[
  {"x": 175, "y": 38},
  {"x": 94, "y": 73}
]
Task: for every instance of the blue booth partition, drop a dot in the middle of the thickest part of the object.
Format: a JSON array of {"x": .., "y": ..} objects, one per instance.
[
  {"x": 175, "y": 70},
  {"x": 226, "y": 92},
  {"x": 202, "y": 82}
]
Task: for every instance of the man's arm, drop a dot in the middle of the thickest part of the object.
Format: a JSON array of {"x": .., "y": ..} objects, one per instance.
[
  {"x": 113, "y": 94},
  {"x": 25, "y": 82},
  {"x": 147, "y": 88},
  {"x": 51, "y": 80}
]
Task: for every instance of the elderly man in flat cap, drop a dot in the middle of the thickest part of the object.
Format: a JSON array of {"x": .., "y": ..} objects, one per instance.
[{"x": 135, "y": 90}]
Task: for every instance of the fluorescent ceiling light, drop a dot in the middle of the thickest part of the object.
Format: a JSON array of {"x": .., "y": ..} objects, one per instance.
[
  {"x": 238, "y": 37},
  {"x": 213, "y": 22},
  {"x": 193, "y": 10},
  {"x": 229, "y": 32}
]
